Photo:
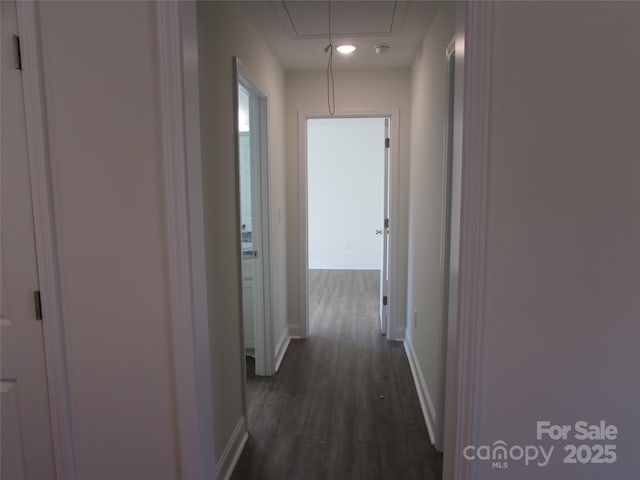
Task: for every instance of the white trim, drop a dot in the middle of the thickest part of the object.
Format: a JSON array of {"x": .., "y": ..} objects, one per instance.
[
  {"x": 295, "y": 331},
  {"x": 265, "y": 204},
  {"x": 428, "y": 411},
  {"x": 395, "y": 329},
  {"x": 281, "y": 349},
  {"x": 344, "y": 266},
  {"x": 302, "y": 329},
  {"x": 473, "y": 63},
  {"x": 191, "y": 99},
  {"x": 396, "y": 325},
  {"x": 236, "y": 155},
  {"x": 44, "y": 225},
  {"x": 176, "y": 25},
  {"x": 445, "y": 251},
  {"x": 232, "y": 451}
]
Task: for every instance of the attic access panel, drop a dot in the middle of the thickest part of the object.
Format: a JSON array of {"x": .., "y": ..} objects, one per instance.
[{"x": 310, "y": 19}]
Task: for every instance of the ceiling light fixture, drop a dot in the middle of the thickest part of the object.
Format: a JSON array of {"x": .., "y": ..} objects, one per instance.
[{"x": 346, "y": 49}]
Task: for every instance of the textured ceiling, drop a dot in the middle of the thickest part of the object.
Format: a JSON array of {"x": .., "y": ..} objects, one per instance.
[
  {"x": 297, "y": 31},
  {"x": 311, "y": 19}
]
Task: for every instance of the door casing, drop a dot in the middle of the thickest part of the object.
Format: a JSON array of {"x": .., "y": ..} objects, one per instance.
[
  {"x": 445, "y": 260},
  {"x": 395, "y": 327}
]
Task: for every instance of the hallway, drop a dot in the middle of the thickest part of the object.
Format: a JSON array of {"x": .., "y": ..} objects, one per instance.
[{"x": 343, "y": 404}]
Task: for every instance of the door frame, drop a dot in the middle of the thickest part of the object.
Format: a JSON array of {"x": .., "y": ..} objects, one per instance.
[
  {"x": 44, "y": 229},
  {"x": 258, "y": 134},
  {"x": 395, "y": 328},
  {"x": 445, "y": 253},
  {"x": 182, "y": 167},
  {"x": 470, "y": 163}
]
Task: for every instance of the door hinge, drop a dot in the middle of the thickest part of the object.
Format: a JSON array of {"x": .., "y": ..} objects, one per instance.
[
  {"x": 38, "y": 304},
  {"x": 386, "y": 223},
  {"x": 387, "y": 142},
  {"x": 384, "y": 300},
  {"x": 17, "y": 54}
]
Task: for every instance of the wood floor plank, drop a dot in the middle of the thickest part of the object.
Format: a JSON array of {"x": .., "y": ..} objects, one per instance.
[{"x": 343, "y": 404}]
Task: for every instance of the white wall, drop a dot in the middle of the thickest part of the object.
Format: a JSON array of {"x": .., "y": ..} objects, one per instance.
[
  {"x": 224, "y": 31},
  {"x": 102, "y": 113},
  {"x": 562, "y": 308},
  {"x": 428, "y": 101},
  {"x": 357, "y": 91},
  {"x": 244, "y": 155},
  {"x": 243, "y": 111},
  {"x": 346, "y": 192}
]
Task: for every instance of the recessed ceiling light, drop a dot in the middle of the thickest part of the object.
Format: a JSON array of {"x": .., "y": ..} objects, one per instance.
[{"x": 346, "y": 49}]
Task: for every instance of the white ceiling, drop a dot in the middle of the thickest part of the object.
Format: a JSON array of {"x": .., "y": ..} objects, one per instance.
[{"x": 297, "y": 31}]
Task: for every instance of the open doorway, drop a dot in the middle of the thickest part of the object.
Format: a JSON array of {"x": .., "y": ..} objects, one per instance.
[
  {"x": 253, "y": 223},
  {"x": 348, "y": 221}
]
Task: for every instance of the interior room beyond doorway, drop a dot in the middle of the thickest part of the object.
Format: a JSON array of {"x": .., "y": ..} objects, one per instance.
[{"x": 346, "y": 168}]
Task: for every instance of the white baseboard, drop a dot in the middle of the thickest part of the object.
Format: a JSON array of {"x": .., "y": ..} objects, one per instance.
[
  {"x": 295, "y": 330},
  {"x": 281, "y": 348},
  {"x": 344, "y": 266},
  {"x": 397, "y": 333},
  {"x": 426, "y": 404},
  {"x": 232, "y": 451}
]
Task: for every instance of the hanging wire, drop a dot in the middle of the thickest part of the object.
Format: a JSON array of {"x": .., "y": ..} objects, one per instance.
[{"x": 331, "y": 91}]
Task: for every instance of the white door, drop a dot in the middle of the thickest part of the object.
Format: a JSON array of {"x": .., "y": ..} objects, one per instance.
[
  {"x": 384, "y": 271},
  {"x": 255, "y": 229},
  {"x": 26, "y": 442}
]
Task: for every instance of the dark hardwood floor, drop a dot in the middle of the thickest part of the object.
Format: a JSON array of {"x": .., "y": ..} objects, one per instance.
[{"x": 343, "y": 404}]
